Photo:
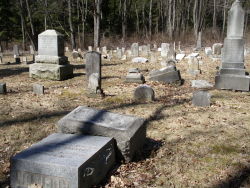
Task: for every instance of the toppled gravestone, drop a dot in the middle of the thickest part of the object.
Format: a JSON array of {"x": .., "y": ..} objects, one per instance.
[
  {"x": 128, "y": 131},
  {"x": 166, "y": 75},
  {"x": 63, "y": 161},
  {"x": 144, "y": 93},
  {"x": 134, "y": 76}
]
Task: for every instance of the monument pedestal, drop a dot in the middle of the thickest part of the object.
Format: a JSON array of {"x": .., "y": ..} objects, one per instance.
[{"x": 51, "y": 71}]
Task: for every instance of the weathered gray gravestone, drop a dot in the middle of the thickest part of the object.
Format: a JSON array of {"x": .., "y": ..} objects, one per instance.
[
  {"x": 50, "y": 63},
  {"x": 165, "y": 49},
  {"x": 128, "y": 131},
  {"x": 199, "y": 42},
  {"x": 232, "y": 74},
  {"x": 16, "y": 54},
  {"x": 144, "y": 93},
  {"x": 63, "y": 161},
  {"x": 134, "y": 76},
  {"x": 38, "y": 89},
  {"x": 135, "y": 49},
  {"x": 93, "y": 72},
  {"x": 3, "y": 88},
  {"x": 201, "y": 98}
]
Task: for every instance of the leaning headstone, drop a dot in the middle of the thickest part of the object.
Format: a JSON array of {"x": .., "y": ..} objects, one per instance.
[
  {"x": 16, "y": 54},
  {"x": 217, "y": 47},
  {"x": 93, "y": 73},
  {"x": 201, "y": 98},
  {"x": 135, "y": 49},
  {"x": 3, "y": 88},
  {"x": 232, "y": 73},
  {"x": 128, "y": 131},
  {"x": 38, "y": 89},
  {"x": 144, "y": 93},
  {"x": 51, "y": 63},
  {"x": 63, "y": 161},
  {"x": 164, "y": 49},
  {"x": 134, "y": 76},
  {"x": 166, "y": 75}
]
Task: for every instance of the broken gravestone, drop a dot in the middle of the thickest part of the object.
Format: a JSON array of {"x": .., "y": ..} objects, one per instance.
[
  {"x": 134, "y": 76},
  {"x": 144, "y": 93},
  {"x": 128, "y": 131}
]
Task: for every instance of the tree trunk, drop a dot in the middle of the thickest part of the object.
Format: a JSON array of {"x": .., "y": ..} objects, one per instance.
[
  {"x": 124, "y": 20},
  {"x": 150, "y": 19},
  {"x": 72, "y": 34},
  {"x": 214, "y": 18},
  {"x": 46, "y": 14},
  {"x": 224, "y": 19},
  {"x": 97, "y": 17},
  {"x": 22, "y": 24}
]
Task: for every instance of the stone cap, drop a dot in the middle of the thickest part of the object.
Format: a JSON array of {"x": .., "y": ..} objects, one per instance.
[{"x": 51, "y": 32}]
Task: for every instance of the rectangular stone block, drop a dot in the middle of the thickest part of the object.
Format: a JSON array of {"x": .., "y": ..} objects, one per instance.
[
  {"x": 51, "y": 59},
  {"x": 233, "y": 71},
  {"x": 166, "y": 76},
  {"x": 201, "y": 98},
  {"x": 128, "y": 131},
  {"x": 232, "y": 82},
  {"x": 3, "y": 88},
  {"x": 38, "y": 89},
  {"x": 51, "y": 71},
  {"x": 63, "y": 161},
  {"x": 135, "y": 78},
  {"x": 233, "y": 51}
]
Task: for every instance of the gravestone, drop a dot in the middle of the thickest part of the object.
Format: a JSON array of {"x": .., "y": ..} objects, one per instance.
[
  {"x": 93, "y": 73},
  {"x": 24, "y": 60},
  {"x": 144, "y": 51},
  {"x": 164, "y": 49},
  {"x": 128, "y": 131},
  {"x": 217, "y": 47},
  {"x": 135, "y": 50},
  {"x": 201, "y": 84},
  {"x": 208, "y": 51},
  {"x": 38, "y": 89},
  {"x": 134, "y": 76},
  {"x": 16, "y": 54},
  {"x": 199, "y": 45},
  {"x": 75, "y": 54},
  {"x": 50, "y": 63},
  {"x": 33, "y": 53},
  {"x": 104, "y": 50},
  {"x": 232, "y": 74},
  {"x": 119, "y": 53},
  {"x": 201, "y": 98},
  {"x": 63, "y": 161},
  {"x": 193, "y": 66},
  {"x": 3, "y": 89},
  {"x": 144, "y": 93},
  {"x": 166, "y": 75},
  {"x": 90, "y": 48}
]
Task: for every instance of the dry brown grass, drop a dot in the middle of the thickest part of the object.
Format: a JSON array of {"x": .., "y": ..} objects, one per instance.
[{"x": 187, "y": 146}]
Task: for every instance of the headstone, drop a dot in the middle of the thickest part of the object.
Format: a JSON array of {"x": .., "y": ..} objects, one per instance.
[
  {"x": 3, "y": 89},
  {"x": 79, "y": 50},
  {"x": 199, "y": 45},
  {"x": 75, "y": 54},
  {"x": 144, "y": 93},
  {"x": 171, "y": 53},
  {"x": 201, "y": 98},
  {"x": 38, "y": 89},
  {"x": 93, "y": 73},
  {"x": 134, "y": 76},
  {"x": 104, "y": 50},
  {"x": 98, "y": 50},
  {"x": 135, "y": 49},
  {"x": 51, "y": 63},
  {"x": 208, "y": 51},
  {"x": 24, "y": 60},
  {"x": 153, "y": 57},
  {"x": 155, "y": 47},
  {"x": 1, "y": 58},
  {"x": 123, "y": 50},
  {"x": 166, "y": 75},
  {"x": 16, "y": 54},
  {"x": 33, "y": 53},
  {"x": 119, "y": 53},
  {"x": 193, "y": 66},
  {"x": 90, "y": 48},
  {"x": 144, "y": 51},
  {"x": 63, "y": 161},
  {"x": 217, "y": 47},
  {"x": 164, "y": 49},
  {"x": 128, "y": 131},
  {"x": 66, "y": 49},
  {"x": 232, "y": 74}
]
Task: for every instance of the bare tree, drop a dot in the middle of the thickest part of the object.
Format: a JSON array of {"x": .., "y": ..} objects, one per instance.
[
  {"x": 72, "y": 33},
  {"x": 97, "y": 18}
]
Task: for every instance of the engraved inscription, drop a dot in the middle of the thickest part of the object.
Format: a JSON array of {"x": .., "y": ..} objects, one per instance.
[
  {"x": 27, "y": 179},
  {"x": 88, "y": 172},
  {"x": 47, "y": 45}
]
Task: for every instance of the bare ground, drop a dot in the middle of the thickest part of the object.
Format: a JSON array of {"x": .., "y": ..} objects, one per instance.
[{"x": 186, "y": 146}]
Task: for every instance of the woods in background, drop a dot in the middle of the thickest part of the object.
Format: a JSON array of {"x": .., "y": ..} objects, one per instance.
[{"x": 23, "y": 20}]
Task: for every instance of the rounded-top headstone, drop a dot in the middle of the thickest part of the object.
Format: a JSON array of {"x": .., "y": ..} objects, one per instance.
[
  {"x": 50, "y": 43},
  {"x": 144, "y": 93}
]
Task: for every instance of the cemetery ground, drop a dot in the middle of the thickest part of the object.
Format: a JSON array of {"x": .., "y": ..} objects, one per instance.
[{"x": 187, "y": 146}]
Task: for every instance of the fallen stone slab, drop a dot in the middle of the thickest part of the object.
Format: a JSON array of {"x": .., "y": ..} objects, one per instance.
[
  {"x": 128, "y": 131},
  {"x": 165, "y": 75},
  {"x": 139, "y": 60},
  {"x": 201, "y": 84},
  {"x": 63, "y": 160}
]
